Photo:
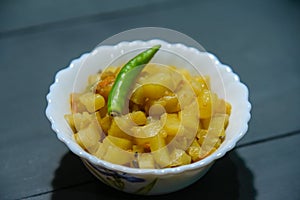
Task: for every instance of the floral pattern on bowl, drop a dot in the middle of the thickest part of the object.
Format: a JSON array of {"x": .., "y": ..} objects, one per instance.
[{"x": 120, "y": 180}]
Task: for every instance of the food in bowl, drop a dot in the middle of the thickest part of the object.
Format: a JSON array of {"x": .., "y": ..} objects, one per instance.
[
  {"x": 223, "y": 81},
  {"x": 147, "y": 115}
]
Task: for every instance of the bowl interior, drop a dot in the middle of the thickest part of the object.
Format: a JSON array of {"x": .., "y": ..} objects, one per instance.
[{"x": 74, "y": 79}]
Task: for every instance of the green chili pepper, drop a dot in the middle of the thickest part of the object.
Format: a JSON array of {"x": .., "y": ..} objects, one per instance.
[{"x": 117, "y": 97}]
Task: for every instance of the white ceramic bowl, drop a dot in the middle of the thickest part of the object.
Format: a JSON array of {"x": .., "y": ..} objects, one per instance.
[{"x": 148, "y": 181}]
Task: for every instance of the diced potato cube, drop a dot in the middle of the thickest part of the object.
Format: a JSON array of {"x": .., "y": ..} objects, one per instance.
[
  {"x": 162, "y": 157},
  {"x": 76, "y": 105},
  {"x": 92, "y": 101},
  {"x": 101, "y": 151},
  {"x": 206, "y": 101},
  {"x": 180, "y": 142},
  {"x": 90, "y": 136},
  {"x": 117, "y": 156},
  {"x": 77, "y": 139},
  {"x": 102, "y": 111},
  {"x": 189, "y": 117},
  {"x": 172, "y": 123},
  {"x": 201, "y": 135},
  {"x": 119, "y": 142},
  {"x": 138, "y": 148},
  {"x": 104, "y": 122},
  {"x": 108, "y": 72},
  {"x": 159, "y": 151},
  {"x": 138, "y": 118},
  {"x": 94, "y": 78},
  {"x": 217, "y": 122},
  {"x": 157, "y": 142},
  {"x": 226, "y": 121},
  {"x": 194, "y": 151},
  {"x": 212, "y": 150},
  {"x": 185, "y": 73},
  {"x": 138, "y": 96},
  {"x": 143, "y": 134},
  {"x": 151, "y": 68},
  {"x": 146, "y": 134},
  {"x": 104, "y": 86},
  {"x": 99, "y": 102},
  {"x": 116, "y": 131},
  {"x": 69, "y": 118},
  {"x": 169, "y": 103},
  {"x": 214, "y": 132},
  {"x": 146, "y": 161},
  {"x": 185, "y": 95},
  {"x": 163, "y": 78},
  {"x": 222, "y": 107},
  {"x": 203, "y": 81},
  {"x": 218, "y": 143},
  {"x": 154, "y": 91},
  {"x": 82, "y": 120},
  {"x": 179, "y": 157},
  {"x": 196, "y": 86},
  {"x": 228, "y": 108},
  {"x": 140, "y": 141}
]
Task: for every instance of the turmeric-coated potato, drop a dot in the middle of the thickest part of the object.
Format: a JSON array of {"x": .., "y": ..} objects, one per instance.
[{"x": 173, "y": 118}]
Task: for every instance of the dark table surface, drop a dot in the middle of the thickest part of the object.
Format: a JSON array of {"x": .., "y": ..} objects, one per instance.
[{"x": 260, "y": 39}]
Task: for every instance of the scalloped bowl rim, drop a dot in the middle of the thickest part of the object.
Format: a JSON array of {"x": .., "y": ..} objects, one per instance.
[{"x": 76, "y": 149}]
